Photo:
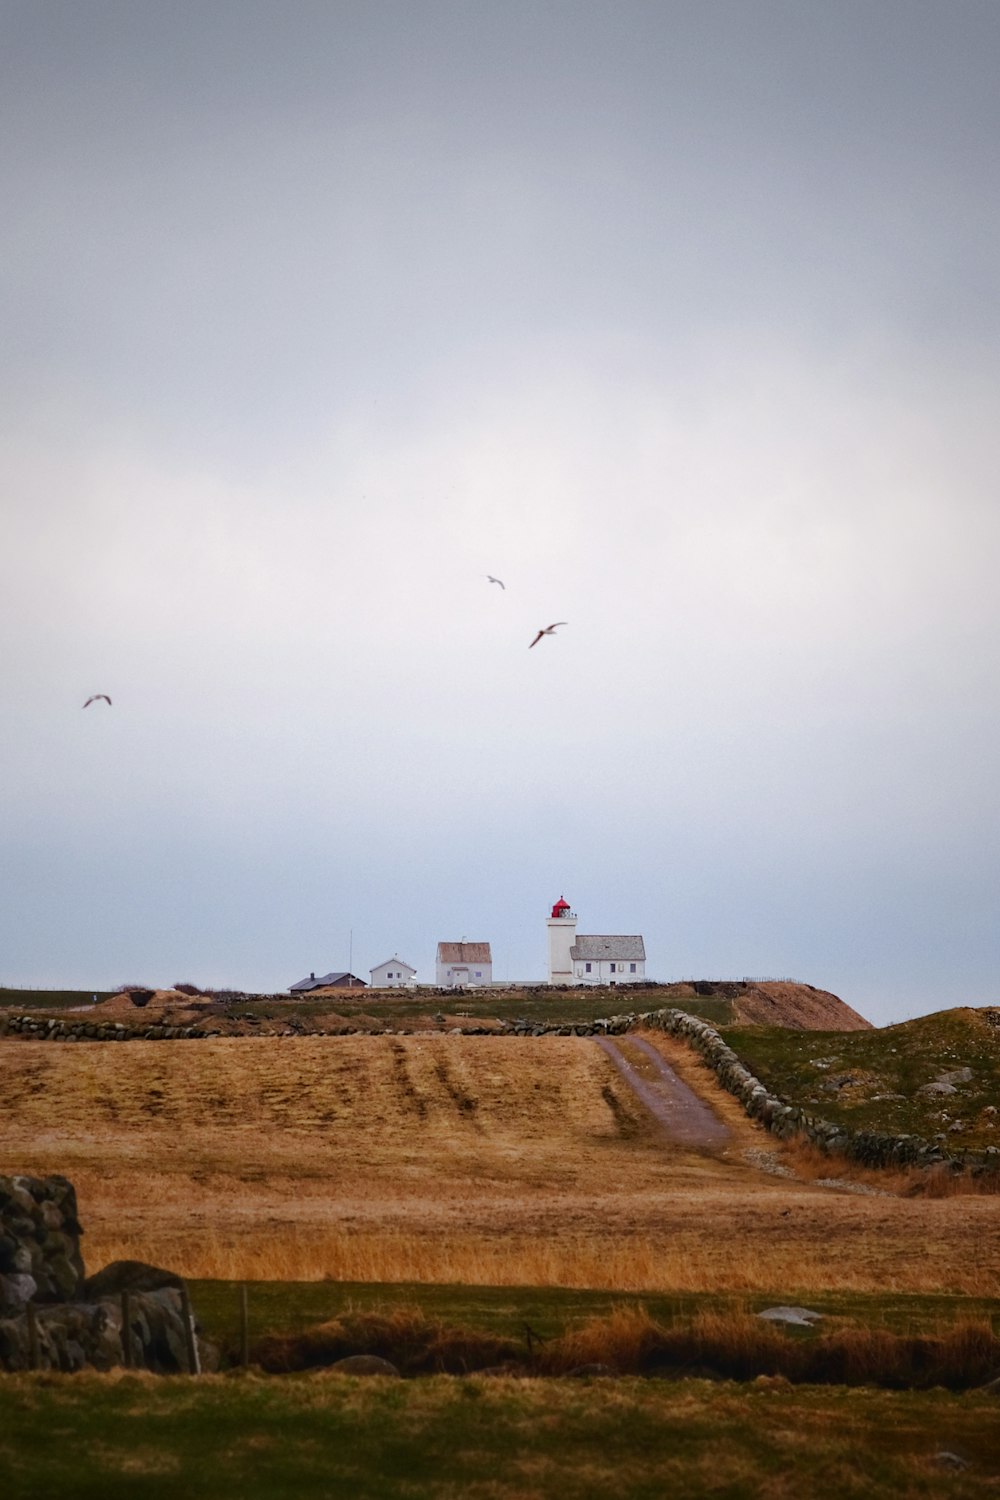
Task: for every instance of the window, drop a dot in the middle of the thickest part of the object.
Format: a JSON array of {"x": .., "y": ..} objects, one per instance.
[
  {"x": 479, "y": 973},
  {"x": 587, "y": 967},
  {"x": 612, "y": 968},
  {"x": 631, "y": 968}
]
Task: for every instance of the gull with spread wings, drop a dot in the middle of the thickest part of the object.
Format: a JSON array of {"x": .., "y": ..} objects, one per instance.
[
  {"x": 500, "y": 581},
  {"x": 547, "y": 630},
  {"x": 97, "y": 698}
]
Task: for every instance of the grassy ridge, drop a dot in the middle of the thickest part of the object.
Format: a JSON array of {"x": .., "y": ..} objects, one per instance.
[
  {"x": 49, "y": 999},
  {"x": 875, "y": 1080},
  {"x": 484, "y": 1439},
  {"x": 400, "y": 1007},
  {"x": 565, "y": 1007}
]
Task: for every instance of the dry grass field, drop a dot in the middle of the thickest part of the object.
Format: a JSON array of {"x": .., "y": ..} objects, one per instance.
[{"x": 485, "y": 1160}]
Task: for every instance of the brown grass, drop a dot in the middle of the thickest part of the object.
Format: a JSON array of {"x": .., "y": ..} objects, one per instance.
[
  {"x": 729, "y": 1345},
  {"x": 414, "y": 1343},
  {"x": 484, "y": 1160},
  {"x": 740, "y": 1346},
  {"x": 813, "y": 1165}
]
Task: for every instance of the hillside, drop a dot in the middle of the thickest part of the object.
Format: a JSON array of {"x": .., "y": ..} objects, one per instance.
[{"x": 936, "y": 1076}]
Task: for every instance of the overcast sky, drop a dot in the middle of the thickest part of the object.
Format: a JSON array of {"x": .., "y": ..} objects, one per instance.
[{"x": 680, "y": 317}]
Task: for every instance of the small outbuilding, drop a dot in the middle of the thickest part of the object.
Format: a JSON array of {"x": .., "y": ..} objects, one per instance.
[
  {"x": 391, "y": 975},
  {"x": 341, "y": 979}
]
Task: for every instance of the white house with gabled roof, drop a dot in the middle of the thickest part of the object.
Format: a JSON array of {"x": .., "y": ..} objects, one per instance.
[
  {"x": 391, "y": 975},
  {"x": 463, "y": 964},
  {"x": 595, "y": 959}
]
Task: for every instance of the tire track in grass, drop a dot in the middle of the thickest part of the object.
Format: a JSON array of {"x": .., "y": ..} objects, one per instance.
[{"x": 687, "y": 1119}]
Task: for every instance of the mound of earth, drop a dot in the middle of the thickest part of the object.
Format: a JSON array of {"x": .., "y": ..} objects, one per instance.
[
  {"x": 184, "y": 1008},
  {"x": 773, "y": 1002},
  {"x": 798, "y": 1006}
]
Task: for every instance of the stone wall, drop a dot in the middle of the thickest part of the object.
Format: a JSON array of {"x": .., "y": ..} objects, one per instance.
[
  {"x": 51, "y": 1318},
  {"x": 787, "y": 1121},
  {"x": 40, "y": 1257},
  {"x": 75, "y": 1029}
]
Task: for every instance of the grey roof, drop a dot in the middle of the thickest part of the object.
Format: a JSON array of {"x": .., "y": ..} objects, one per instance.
[
  {"x": 627, "y": 945},
  {"x": 395, "y": 959}
]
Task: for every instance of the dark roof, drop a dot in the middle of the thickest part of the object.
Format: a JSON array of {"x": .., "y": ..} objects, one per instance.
[
  {"x": 628, "y": 945},
  {"x": 464, "y": 953},
  {"x": 321, "y": 981}
]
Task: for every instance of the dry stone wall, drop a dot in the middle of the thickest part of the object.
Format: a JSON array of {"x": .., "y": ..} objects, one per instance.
[
  {"x": 786, "y": 1121},
  {"x": 64, "y": 1029},
  {"x": 40, "y": 1257},
  {"x": 52, "y": 1319}
]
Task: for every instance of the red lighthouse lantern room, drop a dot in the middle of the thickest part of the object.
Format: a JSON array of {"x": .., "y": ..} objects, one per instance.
[{"x": 561, "y": 907}]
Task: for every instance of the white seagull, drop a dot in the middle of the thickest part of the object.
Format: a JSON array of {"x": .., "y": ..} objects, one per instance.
[
  {"x": 97, "y": 698},
  {"x": 547, "y": 630},
  {"x": 497, "y": 580}
]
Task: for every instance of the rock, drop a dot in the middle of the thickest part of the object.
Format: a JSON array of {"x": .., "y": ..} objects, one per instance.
[
  {"x": 16, "y": 1291},
  {"x": 795, "y": 1317},
  {"x": 364, "y": 1364},
  {"x": 938, "y": 1087},
  {"x": 957, "y": 1075},
  {"x": 953, "y": 1461},
  {"x": 127, "y": 1276}
]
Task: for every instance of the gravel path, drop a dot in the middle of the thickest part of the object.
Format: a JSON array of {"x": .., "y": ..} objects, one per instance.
[{"x": 687, "y": 1119}]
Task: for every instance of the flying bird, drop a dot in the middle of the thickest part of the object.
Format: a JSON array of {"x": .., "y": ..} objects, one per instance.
[
  {"x": 497, "y": 580},
  {"x": 547, "y": 630},
  {"x": 97, "y": 698}
]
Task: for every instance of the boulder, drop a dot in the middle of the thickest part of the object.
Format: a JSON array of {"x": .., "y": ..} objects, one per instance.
[
  {"x": 16, "y": 1291},
  {"x": 364, "y": 1364},
  {"x": 793, "y": 1317},
  {"x": 127, "y": 1276}
]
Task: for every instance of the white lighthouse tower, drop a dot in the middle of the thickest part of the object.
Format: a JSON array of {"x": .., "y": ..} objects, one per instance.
[{"x": 562, "y": 936}]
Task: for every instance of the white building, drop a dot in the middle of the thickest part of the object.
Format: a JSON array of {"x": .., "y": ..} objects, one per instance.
[
  {"x": 591, "y": 959},
  {"x": 464, "y": 964},
  {"x": 392, "y": 974}
]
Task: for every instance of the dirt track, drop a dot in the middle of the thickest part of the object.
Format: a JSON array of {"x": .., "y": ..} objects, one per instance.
[{"x": 687, "y": 1119}]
